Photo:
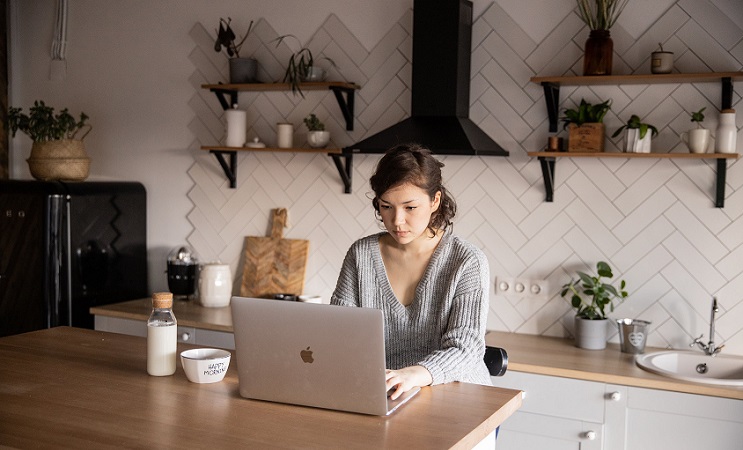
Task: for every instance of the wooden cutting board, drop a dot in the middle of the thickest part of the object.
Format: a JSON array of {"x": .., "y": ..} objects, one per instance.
[{"x": 274, "y": 265}]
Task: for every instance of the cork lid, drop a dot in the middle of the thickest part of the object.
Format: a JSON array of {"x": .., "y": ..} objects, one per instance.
[
  {"x": 727, "y": 111},
  {"x": 162, "y": 300}
]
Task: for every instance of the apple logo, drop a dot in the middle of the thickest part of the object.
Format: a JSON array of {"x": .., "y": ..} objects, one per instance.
[{"x": 307, "y": 355}]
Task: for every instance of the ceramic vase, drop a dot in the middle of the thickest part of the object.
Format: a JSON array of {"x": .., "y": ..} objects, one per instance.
[
  {"x": 727, "y": 132},
  {"x": 634, "y": 144},
  {"x": 590, "y": 334},
  {"x": 598, "y": 53}
]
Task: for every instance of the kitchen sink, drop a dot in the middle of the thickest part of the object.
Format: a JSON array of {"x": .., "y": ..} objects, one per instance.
[{"x": 725, "y": 370}]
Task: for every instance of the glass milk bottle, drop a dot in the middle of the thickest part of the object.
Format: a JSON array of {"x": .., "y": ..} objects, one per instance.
[{"x": 162, "y": 336}]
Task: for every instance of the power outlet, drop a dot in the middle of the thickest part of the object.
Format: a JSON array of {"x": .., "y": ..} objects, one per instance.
[{"x": 521, "y": 287}]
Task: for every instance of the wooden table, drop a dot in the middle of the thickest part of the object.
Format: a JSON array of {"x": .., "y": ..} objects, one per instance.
[{"x": 69, "y": 387}]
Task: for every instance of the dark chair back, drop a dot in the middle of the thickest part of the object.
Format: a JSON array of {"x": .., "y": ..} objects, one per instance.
[{"x": 496, "y": 360}]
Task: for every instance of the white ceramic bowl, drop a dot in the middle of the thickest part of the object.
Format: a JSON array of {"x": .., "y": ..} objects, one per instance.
[{"x": 205, "y": 365}]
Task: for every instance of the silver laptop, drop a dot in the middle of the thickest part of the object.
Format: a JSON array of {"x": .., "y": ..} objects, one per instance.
[{"x": 314, "y": 355}]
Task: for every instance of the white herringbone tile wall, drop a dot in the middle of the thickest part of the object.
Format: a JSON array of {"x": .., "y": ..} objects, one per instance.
[{"x": 652, "y": 220}]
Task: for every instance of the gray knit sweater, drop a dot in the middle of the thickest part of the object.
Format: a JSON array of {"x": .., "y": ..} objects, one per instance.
[{"x": 443, "y": 329}]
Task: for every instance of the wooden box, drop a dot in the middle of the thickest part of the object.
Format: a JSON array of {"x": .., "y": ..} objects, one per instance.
[{"x": 588, "y": 137}]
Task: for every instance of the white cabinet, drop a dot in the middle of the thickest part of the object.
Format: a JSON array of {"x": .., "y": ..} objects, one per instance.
[
  {"x": 563, "y": 413},
  {"x": 556, "y": 413},
  {"x": 191, "y": 335}
]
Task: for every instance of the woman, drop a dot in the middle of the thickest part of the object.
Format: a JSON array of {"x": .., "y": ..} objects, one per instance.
[{"x": 431, "y": 285}]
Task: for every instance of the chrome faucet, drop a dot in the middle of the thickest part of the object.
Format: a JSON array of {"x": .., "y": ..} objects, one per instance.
[{"x": 709, "y": 348}]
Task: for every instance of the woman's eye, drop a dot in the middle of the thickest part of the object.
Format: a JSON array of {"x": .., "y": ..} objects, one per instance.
[
  {"x": 410, "y": 208},
  {"x": 384, "y": 206}
]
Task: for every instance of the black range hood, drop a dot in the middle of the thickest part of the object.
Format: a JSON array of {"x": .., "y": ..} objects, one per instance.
[{"x": 442, "y": 42}]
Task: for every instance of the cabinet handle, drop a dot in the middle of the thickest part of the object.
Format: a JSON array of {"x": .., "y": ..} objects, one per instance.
[
  {"x": 185, "y": 336},
  {"x": 590, "y": 435},
  {"x": 616, "y": 396}
]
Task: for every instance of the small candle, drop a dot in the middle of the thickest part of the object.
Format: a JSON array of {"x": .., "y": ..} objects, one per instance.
[
  {"x": 285, "y": 132},
  {"x": 236, "y": 127}
]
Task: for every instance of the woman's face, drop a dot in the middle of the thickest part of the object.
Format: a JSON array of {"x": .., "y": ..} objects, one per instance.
[{"x": 406, "y": 212}]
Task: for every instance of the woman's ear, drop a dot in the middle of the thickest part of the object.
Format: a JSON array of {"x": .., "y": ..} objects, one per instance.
[{"x": 436, "y": 201}]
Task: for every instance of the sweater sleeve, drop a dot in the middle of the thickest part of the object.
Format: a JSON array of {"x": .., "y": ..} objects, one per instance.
[
  {"x": 347, "y": 288},
  {"x": 463, "y": 342}
]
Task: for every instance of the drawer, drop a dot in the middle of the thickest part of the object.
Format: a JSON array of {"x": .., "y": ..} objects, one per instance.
[{"x": 558, "y": 397}]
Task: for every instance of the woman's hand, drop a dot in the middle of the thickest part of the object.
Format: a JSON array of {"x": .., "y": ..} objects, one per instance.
[{"x": 406, "y": 379}]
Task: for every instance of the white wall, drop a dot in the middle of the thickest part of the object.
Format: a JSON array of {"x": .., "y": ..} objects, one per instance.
[{"x": 136, "y": 66}]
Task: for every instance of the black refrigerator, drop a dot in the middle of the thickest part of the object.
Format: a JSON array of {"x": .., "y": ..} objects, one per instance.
[{"x": 65, "y": 247}]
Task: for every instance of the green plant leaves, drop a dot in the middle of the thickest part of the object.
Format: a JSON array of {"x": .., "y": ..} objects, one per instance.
[
  {"x": 586, "y": 113},
  {"x": 41, "y": 124},
  {"x": 590, "y": 295}
]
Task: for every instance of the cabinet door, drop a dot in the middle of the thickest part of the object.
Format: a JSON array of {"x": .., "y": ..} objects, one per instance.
[
  {"x": 556, "y": 413},
  {"x": 662, "y": 419},
  {"x": 525, "y": 430}
]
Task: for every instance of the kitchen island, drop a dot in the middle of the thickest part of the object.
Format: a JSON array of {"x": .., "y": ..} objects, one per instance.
[{"x": 69, "y": 387}]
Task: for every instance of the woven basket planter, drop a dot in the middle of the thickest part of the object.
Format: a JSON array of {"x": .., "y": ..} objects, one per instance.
[{"x": 63, "y": 160}]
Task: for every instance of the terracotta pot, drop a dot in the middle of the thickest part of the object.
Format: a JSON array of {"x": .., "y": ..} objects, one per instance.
[
  {"x": 598, "y": 53},
  {"x": 63, "y": 160}
]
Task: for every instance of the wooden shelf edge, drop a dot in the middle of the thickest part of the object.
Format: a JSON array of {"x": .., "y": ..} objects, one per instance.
[
  {"x": 637, "y": 78},
  {"x": 308, "y": 86},
  {"x": 634, "y": 155},
  {"x": 272, "y": 149}
]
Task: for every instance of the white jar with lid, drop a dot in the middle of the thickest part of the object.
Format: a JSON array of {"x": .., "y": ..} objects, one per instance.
[
  {"x": 215, "y": 285},
  {"x": 727, "y": 133}
]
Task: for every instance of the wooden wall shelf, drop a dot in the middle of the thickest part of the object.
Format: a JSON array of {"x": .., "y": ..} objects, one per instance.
[
  {"x": 344, "y": 95},
  {"x": 551, "y": 85},
  {"x": 548, "y": 161}
]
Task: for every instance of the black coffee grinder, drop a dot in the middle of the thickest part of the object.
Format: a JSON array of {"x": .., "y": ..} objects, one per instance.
[{"x": 183, "y": 267}]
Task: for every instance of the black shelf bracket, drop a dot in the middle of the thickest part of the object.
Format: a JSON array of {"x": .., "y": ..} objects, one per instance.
[
  {"x": 722, "y": 168},
  {"x": 230, "y": 170},
  {"x": 220, "y": 93},
  {"x": 346, "y": 103},
  {"x": 727, "y": 93},
  {"x": 548, "y": 175},
  {"x": 552, "y": 97},
  {"x": 344, "y": 170}
]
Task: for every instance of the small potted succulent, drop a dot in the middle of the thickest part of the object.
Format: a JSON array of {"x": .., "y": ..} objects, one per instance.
[
  {"x": 317, "y": 137},
  {"x": 697, "y": 138},
  {"x": 590, "y": 296},
  {"x": 585, "y": 126},
  {"x": 301, "y": 66},
  {"x": 242, "y": 70},
  {"x": 637, "y": 138},
  {"x": 57, "y": 153}
]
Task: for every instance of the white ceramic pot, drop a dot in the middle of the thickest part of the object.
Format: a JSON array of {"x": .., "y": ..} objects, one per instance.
[
  {"x": 590, "y": 334},
  {"x": 318, "y": 139},
  {"x": 215, "y": 285},
  {"x": 633, "y": 143}
]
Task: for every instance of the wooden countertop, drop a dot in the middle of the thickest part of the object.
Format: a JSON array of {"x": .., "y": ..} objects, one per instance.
[
  {"x": 70, "y": 387},
  {"x": 188, "y": 313},
  {"x": 526, "y": 353},
  {"x": 560, "y": 357}
]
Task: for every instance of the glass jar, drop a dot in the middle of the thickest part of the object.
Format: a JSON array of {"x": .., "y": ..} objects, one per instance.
[{"x": 598, "y": 53}]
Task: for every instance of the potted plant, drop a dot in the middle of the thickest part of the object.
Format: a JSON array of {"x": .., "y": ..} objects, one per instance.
[
  {"x": 585, "y": 126},
  {"x": 317, "y": 137},
  {"x": 590, "y": 296},
  {"x": 637, "y": 138},
  {"x": 661, "y": 61},
  {"x": 600, "y": 16},
  {"x": 56, "y": 152},
  {"x": 301, "y": 66},
  {"x": 242, "y": 70},
  {"x": 697, "y": 138}
]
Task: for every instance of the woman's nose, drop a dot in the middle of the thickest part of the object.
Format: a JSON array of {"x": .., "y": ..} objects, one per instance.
[{"x": 399, "y": 218}]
